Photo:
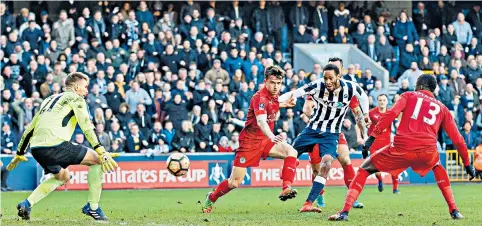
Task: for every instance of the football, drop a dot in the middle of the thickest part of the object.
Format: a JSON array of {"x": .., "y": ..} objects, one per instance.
[{"x": 178, "y": 164}]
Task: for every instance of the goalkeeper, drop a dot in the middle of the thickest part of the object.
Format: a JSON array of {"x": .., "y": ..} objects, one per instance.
[{"x": 49, "y": 136}]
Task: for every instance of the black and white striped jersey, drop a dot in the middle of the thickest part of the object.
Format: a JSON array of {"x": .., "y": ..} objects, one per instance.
[{"x": 331, "y": 107}]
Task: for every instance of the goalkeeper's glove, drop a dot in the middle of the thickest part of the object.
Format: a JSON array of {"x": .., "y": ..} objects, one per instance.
[
  {"x": 366, "y": 147},
  {"x": 107, "y": 163},
  {"x": 469, "y": 169},
  {"x": 15, "y": 161}
]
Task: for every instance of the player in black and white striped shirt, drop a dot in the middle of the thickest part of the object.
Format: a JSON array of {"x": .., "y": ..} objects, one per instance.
[{"x": 332, "y": 97}]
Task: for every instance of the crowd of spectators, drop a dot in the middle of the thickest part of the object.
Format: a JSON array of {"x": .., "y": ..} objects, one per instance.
[{"x": 179, "y": 76}]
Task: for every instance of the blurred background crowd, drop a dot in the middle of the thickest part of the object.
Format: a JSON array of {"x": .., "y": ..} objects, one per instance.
[{"x": 179, "y": 76}]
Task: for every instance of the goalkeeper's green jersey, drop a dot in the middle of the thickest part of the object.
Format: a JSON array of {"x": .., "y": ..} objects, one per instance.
[{"x": 56, "y": 120}]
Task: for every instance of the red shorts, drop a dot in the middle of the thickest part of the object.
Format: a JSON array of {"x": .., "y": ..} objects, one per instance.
[
  {"x": 315, "y": 157},
  {"x": 378, "y": 145},
  {"x": 392, "y": 161},
  {"x": 251, "y": 151}
]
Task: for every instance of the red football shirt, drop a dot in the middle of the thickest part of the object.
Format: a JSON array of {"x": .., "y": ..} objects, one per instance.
[
  {"x": 375, "y": 116},
  {"x": 261, "y": 103},
  {"x": 422, "y": 117}
]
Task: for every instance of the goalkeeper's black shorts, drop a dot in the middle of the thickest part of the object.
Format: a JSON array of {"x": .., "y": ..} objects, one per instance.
[{"x": 53, "y": 159}]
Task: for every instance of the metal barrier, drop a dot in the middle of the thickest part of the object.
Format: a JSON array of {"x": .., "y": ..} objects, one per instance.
[{"x": 455, "y": 166}]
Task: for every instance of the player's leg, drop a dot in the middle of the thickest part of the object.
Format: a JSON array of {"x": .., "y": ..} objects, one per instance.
[
  {"x": 60, "y": 177},
  {"x": 386, "y": 159},
  {"x": 380, "y": 181},
  {"x": 443, "y": 183},
  {"x": 395, "y": 184},
  {"x": 236, "y": 178},
  {"x": 345, "y": 161},
  {"x": 289, "y": 154},
  {"x": 356, "y": 187},
  {"x": 315, "y": 161},
  {"x": 318, "y": 184},
  {"x": 94, "y": 179}
]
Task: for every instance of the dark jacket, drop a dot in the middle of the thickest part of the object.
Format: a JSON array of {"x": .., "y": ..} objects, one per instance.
[
  {"x": 233, "y": 64},
  {"x": 406, "y": 60},
  {"x": 177, "y": 113},
  {"x": 319, "y": 19},
  {"x": 183, "y": 140},
  {"x": 171, "y": 61},
  {"x": 405, "y": 29},
  {"x": 144, "y": 122},
  {"x": 202, "y": 132},
  {"x": 471, "y": 75},
  {"x": 135, "y": 146},
  {"x": 385, "y": 52},
  {"x": 359, "y": 39},
  {"x": 260, "y": 21},
  {"x": 446, "y": 95},
  {"x": 299, "y": 15},
  {"x": 302, "y": 38},
  {"x": 32, "y": 36},
  {"x": 198, "y": 96}
]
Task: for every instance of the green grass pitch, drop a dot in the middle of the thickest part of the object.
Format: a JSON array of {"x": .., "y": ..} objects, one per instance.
[{"x": 417, "y": 205}]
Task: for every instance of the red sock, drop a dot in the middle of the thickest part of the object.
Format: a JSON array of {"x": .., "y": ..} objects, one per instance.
[
  {"x": 379, "y": 177},
  {"x": 355, "y": 189},
  {"x": 395, "y": 182},
  {"x": 222, "y": 189},
  {"x": 444, "y": 184},
  {"x": 348, "y": 174},
  {"x": 322, "y": 192},
  {"x": 289, "y": 171}
]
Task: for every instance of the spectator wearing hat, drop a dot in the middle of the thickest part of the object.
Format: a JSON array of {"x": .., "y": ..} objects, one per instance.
[
  {"x": 446, "y": 92},
  {"x": 216, "y": 72}
]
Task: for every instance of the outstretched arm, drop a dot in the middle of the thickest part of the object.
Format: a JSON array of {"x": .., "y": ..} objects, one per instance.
[
  {"x": 387, "y": 118},
  {"x": 451, "y": 129},
  {"x": 308, "y": 89}
]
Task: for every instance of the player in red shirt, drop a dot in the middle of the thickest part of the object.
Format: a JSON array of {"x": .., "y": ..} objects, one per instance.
[
  {"x": 382, "y": 140},
  {"x": 257, "y": 140},
  {"x": 415, "y": 144}
]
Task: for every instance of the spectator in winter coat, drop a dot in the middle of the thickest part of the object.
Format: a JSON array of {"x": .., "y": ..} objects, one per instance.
[
  {"x": 404, "y": 31},
  {"x": 169, "y": 132},
  {"x": 143, "y": 15},
  {"x": 202, "y": 132},
  {"x": 32, "y": 35},
  {"x": 184, "y": 139},
  {"x": 63, "y": 31},
  {"x": 463, "y": 30},
  {"x": 446, "y": 92},
  {"x": 234, "y": 62},
  {"x": 136, "y": 95},
  {"x": 142, "y": 119},
  {"x": 469, "y": 135},
  {"x": 457, "y": 83},
  {"x": 136, "y": 141},
  {"x": 407, "y": 57},
  {"x": 410, "y": 75},
  {"x": 319, "y": 19},
  {"x": 342, "y": 37},
  {"x": 177, "y": 111},
  {"x": 341, "y": 17},
  {"x": 386, "y": 56},
  {"x": 472, "y": 73},
  {"x": 300, "y": 36},
  {"x": 299, "y": 15},
  {"x": 421, "y": 19},
  {"x": 217, "y": 73},
  {"x": 360, "y": 37}
]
